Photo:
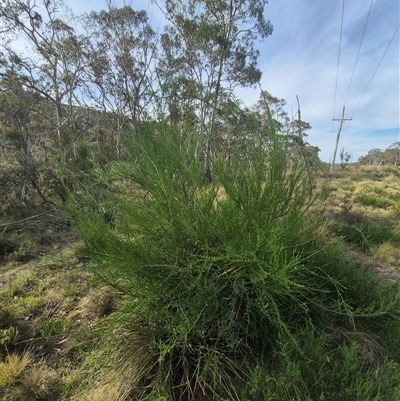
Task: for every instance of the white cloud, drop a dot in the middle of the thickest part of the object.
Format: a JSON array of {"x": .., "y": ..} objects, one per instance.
[{"x": 300, "y": 58}]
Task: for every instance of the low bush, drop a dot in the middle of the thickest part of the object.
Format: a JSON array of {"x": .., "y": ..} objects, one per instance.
[
  {"x": 6, "y": 246},
  {"x": 395, "y": 197},
  {"x": 366, "y": 234},
  {"x": 327, "y": 373},
  {"x": 377, "y": 189},
  {"x": 374, "y": 201},
  {"x": 352, "y": 217},
  {"x": 231, "y": 291}
]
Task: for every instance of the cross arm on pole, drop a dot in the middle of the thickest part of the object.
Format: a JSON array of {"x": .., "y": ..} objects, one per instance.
[{"x": 338, "y": 134}]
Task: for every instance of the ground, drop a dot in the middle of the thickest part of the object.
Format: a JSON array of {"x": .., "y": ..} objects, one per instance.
[{"x": 58, "y": 336}]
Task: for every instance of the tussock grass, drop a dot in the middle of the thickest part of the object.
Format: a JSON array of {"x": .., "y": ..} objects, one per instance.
[
  {"x": 387, "y": 253},
  {"x": 357, "y": 186},
  {"x": 347, "y": 185},
  {"x": 374, "y": 201},
  {"x": 110, "y": 391},
  {"x": 12, "y": 368},
  {"x": 367, "y": 234},
  {"x": 37, "y": 383},
  {"x": 377, "y": 189},
  {"x": 37, "y": 320}
]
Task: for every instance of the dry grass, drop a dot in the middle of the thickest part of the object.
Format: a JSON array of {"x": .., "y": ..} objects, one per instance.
[
  {"x": 345, "y": 186},
  {"x": 110, "y": 389},
  {"x": 12, "y": 368},
  {"x": 37, "y": 383},
  {"x": 387, "y": 253},
  {"x": 97, "y": 304},
  {"x": 52, "y": 305}
]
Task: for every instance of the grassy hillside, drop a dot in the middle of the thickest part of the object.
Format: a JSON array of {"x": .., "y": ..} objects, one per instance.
[
  {"x": 363, "y": 207},
  {"x": 63, "y": 334}
]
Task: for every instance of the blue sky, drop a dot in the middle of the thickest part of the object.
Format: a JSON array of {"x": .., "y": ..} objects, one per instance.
[{"x": 300, "y": 58}]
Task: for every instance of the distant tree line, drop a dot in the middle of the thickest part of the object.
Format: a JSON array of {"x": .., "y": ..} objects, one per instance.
[{"x": 377, "y": 157}]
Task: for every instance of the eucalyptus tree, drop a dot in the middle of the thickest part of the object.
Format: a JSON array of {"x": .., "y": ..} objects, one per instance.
[
  {"x": 51, "y": 63},
  {"x": 374, "y": 157},
  {"x": 23, "y": 125},
  {"x": 377, "y": 157},
  {"x": 268, "y": 103},
  {"x": 16, "y": 140},
  {"x": 121, "y": 57},
  {"x": 272, "y": 109},
  {"x": 215, "y": 44},
  {"x": 392, "y": 154}
]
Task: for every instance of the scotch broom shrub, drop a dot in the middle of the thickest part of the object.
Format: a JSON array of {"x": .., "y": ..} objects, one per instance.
[{"x": 229, "y": 283}]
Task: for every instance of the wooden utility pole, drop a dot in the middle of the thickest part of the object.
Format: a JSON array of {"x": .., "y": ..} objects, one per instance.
[{"x": 338, "y": 135}]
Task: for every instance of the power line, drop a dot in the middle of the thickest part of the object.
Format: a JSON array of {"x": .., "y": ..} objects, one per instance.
[
  {"x": 376, "y": 69},
  {"x": 337, "y": 69},
  {"x": 358, "y": 53},
  {"x": 365, "y": 27}
]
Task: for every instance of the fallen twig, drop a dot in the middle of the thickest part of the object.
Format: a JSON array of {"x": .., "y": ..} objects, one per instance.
[{"x": 28, "y": 218}]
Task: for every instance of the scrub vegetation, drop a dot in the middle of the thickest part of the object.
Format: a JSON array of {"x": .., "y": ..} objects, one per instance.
[
  {"x": 256, "y": 286},
  {"x": 161, "y": 241}
]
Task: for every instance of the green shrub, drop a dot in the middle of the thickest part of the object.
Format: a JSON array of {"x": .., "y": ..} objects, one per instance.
[
  {"x": 6, "y": 246},
  {"x": 326, "y": 373},
  {"x": 8, "y": 329},
  {"x": 374, "y": 201},
  {"x": 377, "y": 189},
  {"x": 367, "y": 233},
  {"x": 232, "y": 278},
  {"x": 397, "y": 208},
  {"x": 395, "y": 197}
]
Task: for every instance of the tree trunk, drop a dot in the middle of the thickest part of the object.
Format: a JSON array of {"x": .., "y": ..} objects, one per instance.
[
  {"x": 24, "y": 193},
  {"x": 208, "y": 175}
]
